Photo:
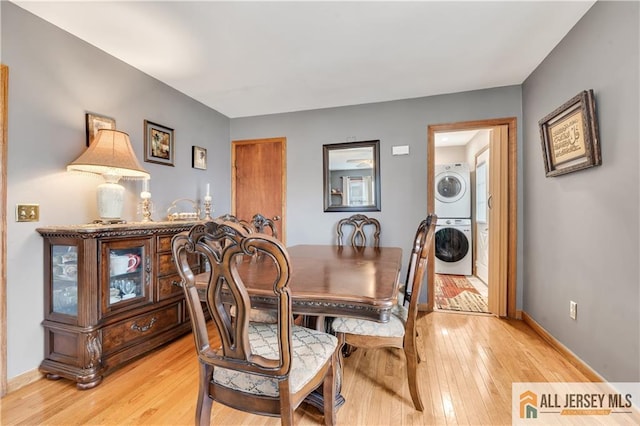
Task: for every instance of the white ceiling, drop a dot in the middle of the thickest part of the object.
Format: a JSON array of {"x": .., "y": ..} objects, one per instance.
[
  {"x": 459, "y": 138},
  {"x": 252, "y": 58}
]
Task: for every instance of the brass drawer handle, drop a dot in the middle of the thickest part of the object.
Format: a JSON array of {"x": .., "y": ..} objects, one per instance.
[
  {"x": 144, "y": 328},
  {"x": 176, "y": 283}
]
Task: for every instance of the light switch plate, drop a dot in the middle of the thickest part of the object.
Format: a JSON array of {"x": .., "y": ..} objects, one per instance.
[
  {"x": 400, "y": 150},
  {"x": 27, "y": 212}
]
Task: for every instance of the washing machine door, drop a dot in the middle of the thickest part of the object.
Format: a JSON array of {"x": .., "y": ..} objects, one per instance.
[
  {"x": 451, "y": 245},
  {"x": 450, "y": 187}
]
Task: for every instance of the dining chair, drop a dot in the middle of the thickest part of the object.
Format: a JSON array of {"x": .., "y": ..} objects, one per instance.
[
  {"x": 359, "y": 223},
  {"x": 255, "y": 314},
  {"x": 261, "y": 223},
  {"x": 400, "y": 331},
  {"x": 228, "y": 217},
  {"x": 266, "y": 369}
]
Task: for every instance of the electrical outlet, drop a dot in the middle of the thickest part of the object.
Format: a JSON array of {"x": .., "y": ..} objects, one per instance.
[
  {"x": 27, "y": 212},
  {"x": 573, "y": 309}
]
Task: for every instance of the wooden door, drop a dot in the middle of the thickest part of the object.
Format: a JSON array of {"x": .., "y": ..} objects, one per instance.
[
  {"x": 498, "y": 223},
  {"x": 481, "y": 236},
  {"x": 258, "y": 183}
]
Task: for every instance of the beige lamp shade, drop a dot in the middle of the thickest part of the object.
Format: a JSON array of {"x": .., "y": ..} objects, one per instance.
[
  {"x": 110, "y": 153},
  {"x": 111, "y": 156}
]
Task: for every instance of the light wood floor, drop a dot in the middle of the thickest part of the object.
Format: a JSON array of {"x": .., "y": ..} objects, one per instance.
[{"x": 469, "y": 364}]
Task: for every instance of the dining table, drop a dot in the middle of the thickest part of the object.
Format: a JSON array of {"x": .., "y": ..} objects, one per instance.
[
  {"x": 327, "y": 281},
  {"x": 330, "y": 280}
]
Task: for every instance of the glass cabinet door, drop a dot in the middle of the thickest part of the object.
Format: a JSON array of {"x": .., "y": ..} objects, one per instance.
[
  {"x": 127, "y": 273},
  {"x": 64, "y": 278}
]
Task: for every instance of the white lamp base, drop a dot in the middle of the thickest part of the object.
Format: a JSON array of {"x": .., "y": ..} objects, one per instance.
[{"x": 110, "y": 201}]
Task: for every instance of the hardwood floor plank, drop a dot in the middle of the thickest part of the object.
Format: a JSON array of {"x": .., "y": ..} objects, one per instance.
[{"x": 468, "y": 364}]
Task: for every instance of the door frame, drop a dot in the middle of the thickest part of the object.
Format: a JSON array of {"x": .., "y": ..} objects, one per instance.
[
  {"x": 512, "y": 199},
  {"x": 4, "y": 100}
]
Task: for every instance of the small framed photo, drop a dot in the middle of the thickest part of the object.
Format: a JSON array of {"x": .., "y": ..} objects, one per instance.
[
  {"x": 199, "y": 158},
  {"x": 95, "y": 122},
  {"x": 158, "y": 144},
  {"x": 569, "y": 136}
]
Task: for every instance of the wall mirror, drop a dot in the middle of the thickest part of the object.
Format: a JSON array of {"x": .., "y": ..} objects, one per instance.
[{"x": 351, "y": 176}]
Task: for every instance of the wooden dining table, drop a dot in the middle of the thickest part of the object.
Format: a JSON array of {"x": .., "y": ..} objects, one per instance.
[
  {"x": 327, "y": 280},
  {"x": 359, "y": 282}
]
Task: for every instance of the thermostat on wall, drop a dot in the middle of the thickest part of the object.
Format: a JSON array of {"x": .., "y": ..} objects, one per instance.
[{"x": 400, "y": 150}]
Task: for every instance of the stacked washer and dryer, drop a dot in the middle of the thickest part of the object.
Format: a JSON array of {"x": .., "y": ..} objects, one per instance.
[{"x": 453, "y": 249}]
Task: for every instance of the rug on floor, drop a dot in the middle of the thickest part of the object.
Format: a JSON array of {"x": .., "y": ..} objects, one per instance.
[{"x": 456, "y": 293}]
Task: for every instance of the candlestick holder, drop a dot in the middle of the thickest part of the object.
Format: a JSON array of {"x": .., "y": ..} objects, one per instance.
[
  {"x": 146, "y": 210},
  {"x": 146, "y": 206},
  {"x": 207, "y": 208}
]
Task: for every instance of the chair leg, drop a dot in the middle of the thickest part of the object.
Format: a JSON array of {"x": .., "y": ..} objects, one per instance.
[
  {"x": 286, "y": 406},
  {"x": 203, "y": 406},
  {"x": 339, "y": 362},
  {"x": 286, "y": 416},
  {"x": 411, "y": 356},
  {"x": 329, "y": 388}
]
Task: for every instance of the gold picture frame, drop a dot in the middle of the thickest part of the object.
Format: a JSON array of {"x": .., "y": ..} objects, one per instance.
[
  {"x": 569, "y": 136},
  {"x": 158, "y": 144},
  {"x": 95, "y": 122}
]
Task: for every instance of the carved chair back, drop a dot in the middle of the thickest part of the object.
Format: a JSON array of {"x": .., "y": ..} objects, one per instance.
[
  {"x": 418, "y": 259},
  {"x": 261, "y": 223},
  {"x": 359, "y": 224},
  {"x": 220, "y": 243},
  {"x": 227, "y": 217}
]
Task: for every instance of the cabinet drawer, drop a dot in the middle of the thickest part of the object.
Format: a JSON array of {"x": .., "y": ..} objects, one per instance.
[
  {"x": 141, "y": 327},
  {"x": 164, "y": 243},
  {"x": 166, "y": 266},
  {"x": 167, "y": 286}
]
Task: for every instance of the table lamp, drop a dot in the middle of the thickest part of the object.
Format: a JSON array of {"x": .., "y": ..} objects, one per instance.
[{"x": 111, "y": 156}]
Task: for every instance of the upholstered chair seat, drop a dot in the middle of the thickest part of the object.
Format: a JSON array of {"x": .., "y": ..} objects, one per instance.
[
  {"x": 393, "y": 328},
  {"x": 311, "y": 350}
]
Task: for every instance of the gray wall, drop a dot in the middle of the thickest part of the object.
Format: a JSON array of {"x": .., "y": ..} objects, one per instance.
[
  {"x": 404, "y": 178},
  {"x": 54, "y": 78},
  {"x": 581, "y": 230}
]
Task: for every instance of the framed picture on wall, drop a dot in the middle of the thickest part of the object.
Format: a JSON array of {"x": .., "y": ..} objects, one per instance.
[
  {"x": 569, "y": 136},
  {"x": 199, "y": 158},
  {"x": 158, "y": 144},
  {"x": 95, "y": 122}
]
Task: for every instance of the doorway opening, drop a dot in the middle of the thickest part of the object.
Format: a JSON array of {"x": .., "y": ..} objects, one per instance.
[{"x": 471, "y": 169}]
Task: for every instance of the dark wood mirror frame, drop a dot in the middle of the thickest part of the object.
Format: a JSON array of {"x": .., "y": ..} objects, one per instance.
[{"x": 331, "y": 193}]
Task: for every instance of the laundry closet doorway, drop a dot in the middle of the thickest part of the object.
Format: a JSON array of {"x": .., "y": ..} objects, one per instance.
[{"x": 501, "y": 209}]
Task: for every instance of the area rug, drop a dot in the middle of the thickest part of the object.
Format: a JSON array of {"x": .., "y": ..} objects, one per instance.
[{"x": 456, "y": 293}]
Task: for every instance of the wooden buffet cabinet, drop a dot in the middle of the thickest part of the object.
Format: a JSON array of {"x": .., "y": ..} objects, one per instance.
[{"x": 111, "y": 294}]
